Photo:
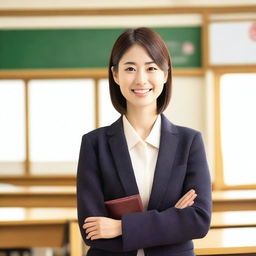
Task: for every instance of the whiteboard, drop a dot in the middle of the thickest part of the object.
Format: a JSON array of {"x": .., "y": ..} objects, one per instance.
[{"x": 232, "y": 43}]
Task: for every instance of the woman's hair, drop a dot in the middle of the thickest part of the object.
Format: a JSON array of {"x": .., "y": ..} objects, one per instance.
[{"x": 157, "y": 50}]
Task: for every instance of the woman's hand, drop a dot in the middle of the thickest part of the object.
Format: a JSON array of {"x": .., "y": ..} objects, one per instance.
[
  {"x": 186, "y": 200},
  {"x": 102, "y": 227}
]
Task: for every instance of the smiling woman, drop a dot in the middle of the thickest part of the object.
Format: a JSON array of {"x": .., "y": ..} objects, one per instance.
[
  {"x": 142, "y": 154},
  {"x": 141, "y": 81},
  {"x": 135, "y": 55}
]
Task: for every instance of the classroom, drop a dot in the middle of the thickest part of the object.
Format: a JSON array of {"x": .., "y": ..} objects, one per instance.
[{"x": 55, "y": 86}]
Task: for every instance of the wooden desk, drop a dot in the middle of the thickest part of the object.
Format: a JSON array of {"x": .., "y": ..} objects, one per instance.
[
  {"x": 234, "y": 200},
  {"x": 37, "y": 196},
  {"x": 233, "y": 219},
  {"x": 221, "y": 241},
  {"x": 65, "y": 196},
  {"x": 53, "y": 227},
  {"x": 39, "y": 227}
]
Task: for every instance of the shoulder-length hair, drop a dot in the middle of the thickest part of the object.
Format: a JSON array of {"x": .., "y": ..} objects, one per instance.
[{"x": 157, "y": 50}]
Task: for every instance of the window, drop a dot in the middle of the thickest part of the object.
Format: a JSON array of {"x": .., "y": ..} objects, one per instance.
[
  {"x": 61, "y": 111},
  {"x": 46, "y": 138},
  {"x": 238, "y": 126},
  {"x": 12, "y": 128}
]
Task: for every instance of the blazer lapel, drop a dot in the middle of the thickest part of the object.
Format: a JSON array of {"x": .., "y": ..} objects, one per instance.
[
  {"x": 166, "y": 156},
  {"x": 121, "y": 156}
]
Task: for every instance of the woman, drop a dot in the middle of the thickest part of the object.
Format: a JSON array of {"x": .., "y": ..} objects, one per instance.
[{"x": 143, "y": 153}]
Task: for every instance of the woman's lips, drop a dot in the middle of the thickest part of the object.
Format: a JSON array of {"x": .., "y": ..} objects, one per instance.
[{"x": 141, "y": 91}]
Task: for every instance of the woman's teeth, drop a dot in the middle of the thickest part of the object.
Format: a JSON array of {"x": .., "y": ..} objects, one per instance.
[{"x": 141, "y": 90}]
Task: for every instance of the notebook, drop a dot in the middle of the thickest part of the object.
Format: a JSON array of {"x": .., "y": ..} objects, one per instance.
[{"x": 118, "y": 207}]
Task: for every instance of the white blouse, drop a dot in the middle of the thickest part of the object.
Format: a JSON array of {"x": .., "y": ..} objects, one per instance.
[{"x": 143, "y": 154}]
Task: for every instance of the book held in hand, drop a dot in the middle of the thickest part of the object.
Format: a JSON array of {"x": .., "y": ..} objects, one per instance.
[{"x": 118, "y": 207}]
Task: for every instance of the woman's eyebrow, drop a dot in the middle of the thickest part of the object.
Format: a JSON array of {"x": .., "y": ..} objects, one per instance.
[
  {"x": 129, "y": 63},
  {"x": 134, "y": 63}
]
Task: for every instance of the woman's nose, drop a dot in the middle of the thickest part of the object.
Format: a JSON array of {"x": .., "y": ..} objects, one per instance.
[{"x": 141, "y": 77}]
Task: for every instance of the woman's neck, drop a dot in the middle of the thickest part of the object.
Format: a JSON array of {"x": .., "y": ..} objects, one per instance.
[{"x": 142, "y": 120}]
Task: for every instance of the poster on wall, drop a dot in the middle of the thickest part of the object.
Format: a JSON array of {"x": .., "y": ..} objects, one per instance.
[{"x": 232, "y": 43}]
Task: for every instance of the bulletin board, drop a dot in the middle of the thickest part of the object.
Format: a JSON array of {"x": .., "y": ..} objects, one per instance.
[{"x": 232, "y": 43}]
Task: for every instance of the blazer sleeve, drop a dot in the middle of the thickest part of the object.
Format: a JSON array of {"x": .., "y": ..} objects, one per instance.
[
  {"x": 171, "y": 226},
  {"x": 90, "y": 199}
]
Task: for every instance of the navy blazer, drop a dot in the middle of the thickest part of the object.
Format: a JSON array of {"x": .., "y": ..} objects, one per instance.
[{"x": 105, "y": 172}]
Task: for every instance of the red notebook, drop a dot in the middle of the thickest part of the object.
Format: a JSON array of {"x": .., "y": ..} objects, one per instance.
[{"x": 117, "y": 207}]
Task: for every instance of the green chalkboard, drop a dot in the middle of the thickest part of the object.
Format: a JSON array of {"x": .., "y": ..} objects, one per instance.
[
  {"x": 86, "y": 48},
  {"x": 184, "y": 44}
]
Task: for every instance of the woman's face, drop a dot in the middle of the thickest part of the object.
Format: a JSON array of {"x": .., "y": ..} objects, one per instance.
[{"x": 141, "y": 81}]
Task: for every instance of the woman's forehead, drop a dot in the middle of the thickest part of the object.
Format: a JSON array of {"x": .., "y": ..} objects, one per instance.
[{"x": 136, "y": 54}]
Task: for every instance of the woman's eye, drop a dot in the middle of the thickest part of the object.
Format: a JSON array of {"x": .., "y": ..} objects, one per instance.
[
  {"x": 152, "y": 68},
  {"x": 130, "y": 69}
]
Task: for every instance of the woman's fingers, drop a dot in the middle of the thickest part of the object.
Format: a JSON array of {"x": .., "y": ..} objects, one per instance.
[
  {"x": 88, "y": 230},
  {"x": 191, "y": 203},
  {"x": 91, "y": 229},
  {"x": 89, "y": 224},
  {"x": 183, "y": 198},
  {"x": 92, "y": 235},
  {"x": 186, "y": 200},
  {"x": 91, "y": 219}
]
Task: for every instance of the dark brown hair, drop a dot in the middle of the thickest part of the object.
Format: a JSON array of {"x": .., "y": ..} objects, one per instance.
[{"x": 157, "y": 50}]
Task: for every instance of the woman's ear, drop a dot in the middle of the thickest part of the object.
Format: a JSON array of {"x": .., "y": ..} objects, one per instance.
[{"x": 115, "y": 76}]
